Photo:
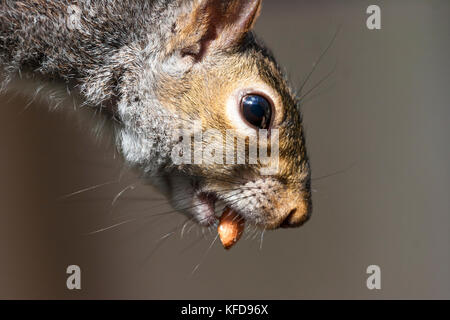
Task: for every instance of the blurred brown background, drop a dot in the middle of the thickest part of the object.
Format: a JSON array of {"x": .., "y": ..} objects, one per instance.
[{"x": 381, "y": 120}]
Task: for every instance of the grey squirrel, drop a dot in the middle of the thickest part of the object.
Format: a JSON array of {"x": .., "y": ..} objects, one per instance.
[{"x": 154, "y": 66}]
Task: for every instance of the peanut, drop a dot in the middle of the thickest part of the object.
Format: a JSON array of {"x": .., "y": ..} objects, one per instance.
[{"x": 231, "y": 227}]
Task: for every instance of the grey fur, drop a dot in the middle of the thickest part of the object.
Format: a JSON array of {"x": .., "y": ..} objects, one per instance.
[{"x": 110, "y": 56}]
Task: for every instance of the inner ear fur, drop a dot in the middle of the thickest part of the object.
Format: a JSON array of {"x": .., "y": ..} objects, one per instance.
[{"x": 214, "y": 24}]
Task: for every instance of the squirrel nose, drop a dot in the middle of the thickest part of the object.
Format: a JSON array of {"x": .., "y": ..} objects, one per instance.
[
  {"x": 287, "y": 222},
  {"x": 295, "y": 218}
]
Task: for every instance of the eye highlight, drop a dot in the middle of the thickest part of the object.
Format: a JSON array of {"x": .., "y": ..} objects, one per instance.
[{"x": 256, "y": 111}]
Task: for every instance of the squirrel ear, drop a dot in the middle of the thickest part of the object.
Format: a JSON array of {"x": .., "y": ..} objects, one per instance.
[{"x": 214, "y": 24}]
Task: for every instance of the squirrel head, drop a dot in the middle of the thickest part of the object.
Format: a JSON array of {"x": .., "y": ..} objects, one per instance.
[{"x": 211, "y": 76}]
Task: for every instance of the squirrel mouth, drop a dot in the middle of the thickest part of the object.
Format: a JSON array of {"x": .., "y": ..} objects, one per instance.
[
  {"x": 230, "y": 224},
  {"x": 205, "y": 208}
]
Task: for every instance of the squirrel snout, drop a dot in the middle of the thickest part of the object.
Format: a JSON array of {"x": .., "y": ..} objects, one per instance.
[{"x": 297, "y": 216}]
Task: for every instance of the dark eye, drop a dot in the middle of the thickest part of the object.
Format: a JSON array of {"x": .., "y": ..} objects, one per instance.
[{"x": 257, "y": 111}]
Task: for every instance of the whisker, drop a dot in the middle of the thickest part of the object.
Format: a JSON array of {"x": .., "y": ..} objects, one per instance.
[
  {"x": 334, "y": 173},
  {"x": 319, "y": 83},
  {"x": 261, "y": 239},
  {"x": 192, "y": 245},
  {"x": 312, "y": 97},
  {"x": 130, "y": 187},
  {"x": 316, "y": 63},
  {"x": 88, "y": 189},
  {"x": 184, "y": 227},
  {"x": 204, "y": 255},
  {"x": 158, "y": 245},
  {"x": 111, "y": 227}
]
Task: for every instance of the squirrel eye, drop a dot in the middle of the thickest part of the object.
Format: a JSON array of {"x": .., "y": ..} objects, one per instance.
[{"x": 257, "y": 111}]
